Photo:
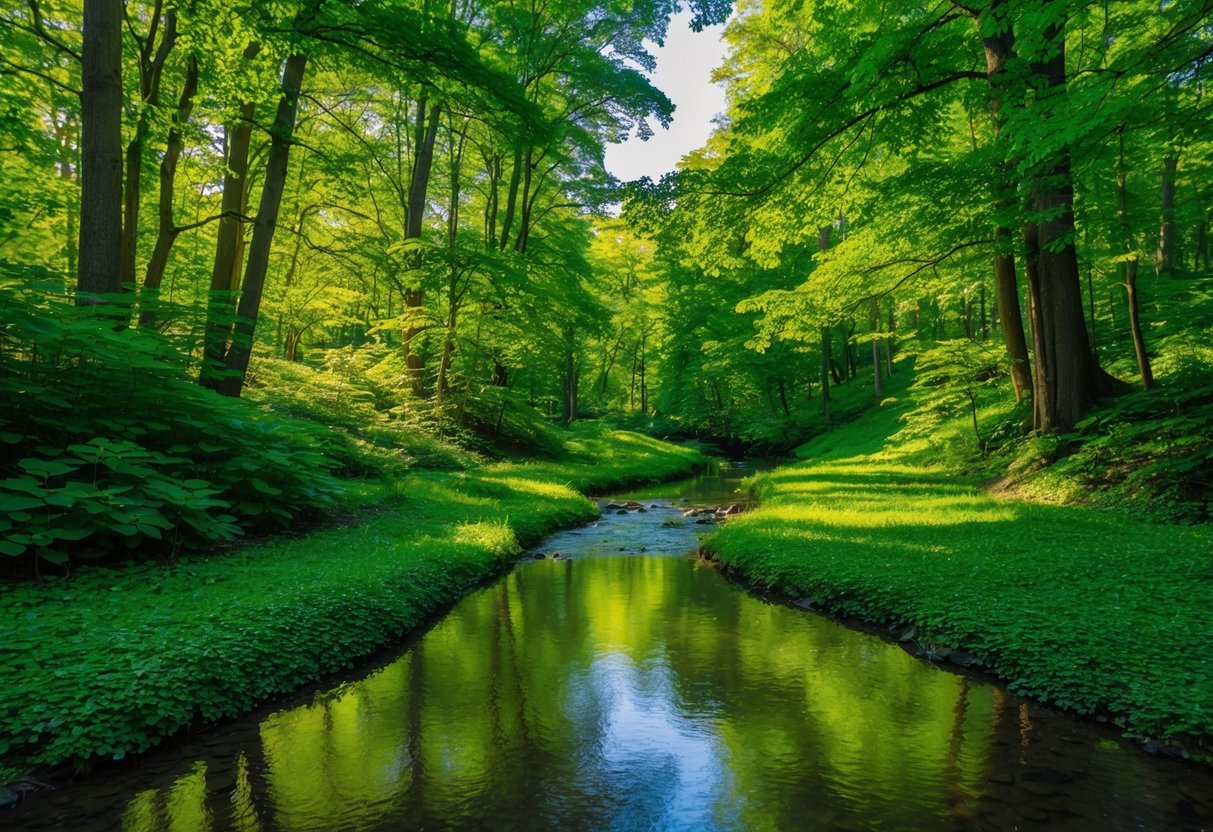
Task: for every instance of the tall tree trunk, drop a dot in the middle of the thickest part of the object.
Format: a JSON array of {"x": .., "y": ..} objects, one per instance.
[
  {"x": 848, "y": 345},
  {"x": 984, "y": 327},
  {"x": 226, "y": 267},
  {"x": 100, "y": 152},
  {"x": 569, "y": 400},
  {"x": 1164, "y": 261},
  {"x": 823, "y": 242},
  {"x": 888, "y": 341},
  {"x": 444, "y": 362},
  {"x": 527, "y": 202},
  {"x": 491, "y": 204},
  {"x": 1074, "y": 379},
  {"x": 644, "y": 383},
  {"x": 1010, "y": 318},
  {"x": 998, "y": 41},
  {"x": 452, "y": 241},
  {"x": 425, "y": 135},
  {"x": 511, "y": 200},
  {"x": 1200, "y": 253},
  {"x": 1129, "y": 268},
  {"x": 825, "y": 372},
  {"x": 167, "y": 229},
  {"x": 65, "y": 146},
  {"x": 1091, "y": 332},
  {"x": 291, "y": 350},
  {"x": 151, "y": 70},
  {"x": 263, "y": 227},
  {"x": 874, "y": 328},
  {"x": 1040, "y": 379}
]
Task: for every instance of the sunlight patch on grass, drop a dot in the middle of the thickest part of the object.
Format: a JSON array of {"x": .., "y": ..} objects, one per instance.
[{"x": 1090, "y": 610}]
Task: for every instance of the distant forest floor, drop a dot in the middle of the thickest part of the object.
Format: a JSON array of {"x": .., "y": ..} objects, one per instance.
[
  {"x": 111, "y": 661},
  {"x": 1092, "y": 610}
]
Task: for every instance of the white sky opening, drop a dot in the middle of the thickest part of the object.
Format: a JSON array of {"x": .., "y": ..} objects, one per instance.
[{"x": 683, "y": 73}]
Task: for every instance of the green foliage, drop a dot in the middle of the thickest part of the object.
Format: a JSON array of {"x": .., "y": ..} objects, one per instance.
[
  {"x": 1090, "y": 610},
  {"x": 108, "y": 662},
  {"x": 107, "y": 447},
  {"x": 376, "y": 427},
  {"x": 952, "y": 379},
  {"x": 1151, "y": 449}
]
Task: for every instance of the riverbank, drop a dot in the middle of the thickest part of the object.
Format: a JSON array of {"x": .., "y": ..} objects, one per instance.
[
  {"x": 111, "y": 661},
  {"x": 1092, "y": 611}
]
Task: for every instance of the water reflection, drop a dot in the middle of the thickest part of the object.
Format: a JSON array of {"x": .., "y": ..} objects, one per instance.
[{"x": 643, "y": 693}]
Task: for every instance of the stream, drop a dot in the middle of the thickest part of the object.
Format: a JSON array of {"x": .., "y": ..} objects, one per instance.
[{"x": 625, "y": 685}]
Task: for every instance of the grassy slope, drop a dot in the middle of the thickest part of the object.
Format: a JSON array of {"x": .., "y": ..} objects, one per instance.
[
  {"x": 1093, "y": 611},
  {"x": 110, "y": 661}
]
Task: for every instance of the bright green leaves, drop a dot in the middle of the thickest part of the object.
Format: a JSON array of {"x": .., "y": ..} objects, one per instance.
[{"x": 115, "y": 451}]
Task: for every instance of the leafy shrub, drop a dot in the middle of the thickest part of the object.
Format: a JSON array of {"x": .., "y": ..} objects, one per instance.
[
  {"x": 951, "y": 380},
  {"x": 377, "y": 429},
  {"x": 503, "y": 419},
  {"x": 107, "y": 445},
  {"x": 1156, "y": 445}
]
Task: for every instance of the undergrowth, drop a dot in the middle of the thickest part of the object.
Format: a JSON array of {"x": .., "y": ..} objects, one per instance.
[
  {"x": 1091, "y": 610},
  {"x": 110, "y": 661}
]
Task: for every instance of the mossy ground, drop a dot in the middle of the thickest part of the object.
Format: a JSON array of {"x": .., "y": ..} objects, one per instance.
[
  {"x": 1093, "y": 611},
  {"x": 110, "y": 661}
]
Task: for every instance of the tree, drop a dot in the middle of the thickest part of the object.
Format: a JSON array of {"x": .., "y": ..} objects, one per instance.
[{"x": 100, "y": 152}]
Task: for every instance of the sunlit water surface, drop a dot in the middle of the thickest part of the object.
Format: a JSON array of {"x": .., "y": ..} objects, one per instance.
[{"x": 605, "y": 691}]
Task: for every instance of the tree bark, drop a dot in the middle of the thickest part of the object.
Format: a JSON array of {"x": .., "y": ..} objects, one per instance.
[
  {"x": 167, "y": 229},
  {"x": 1074, "y": 378},
  {"x": 888, "y": 341},
  {"x": 1164, "y": 261},
  {"x": 825, "y": 372},
  {"x": 823, "y": 243},
  {"x": 425, "y": 136},
  {"x": 644, "y": 383},
  {"x": 65, "y": 149},
  {"x": 1129, "y": 268},
  {"x": 511, "y": 200},
  {"x": 998, "y": 41},
  {"x": 263, "y": 228},
  {"x": 151, "y": 70},
  {"x": 874, "y": 328},
  {"x": 569, "y": 400},
  {"x": 100, "y": 248},
  {"x": 452, "y": 240},
  {"x": 225, "y": 269},
  {"x": 1040, "y": 379},
  {"x": 526, "y": 203}
]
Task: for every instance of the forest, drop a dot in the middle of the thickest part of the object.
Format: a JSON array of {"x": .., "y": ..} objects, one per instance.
[{"x": 317, "y": 314}]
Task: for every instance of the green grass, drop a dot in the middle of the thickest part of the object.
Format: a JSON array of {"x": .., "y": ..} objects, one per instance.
[
  {"x": 110, "y": 661},
  {"x": 1093, "y": 611}
]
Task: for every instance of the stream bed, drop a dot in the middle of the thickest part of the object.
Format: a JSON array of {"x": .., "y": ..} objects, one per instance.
[{"x": 625, "y": 685}]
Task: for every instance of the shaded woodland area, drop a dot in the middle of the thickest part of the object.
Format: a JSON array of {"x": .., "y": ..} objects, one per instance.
[
  {"x": 391, "y": 221},
  {"x": 316, "y": 314}
]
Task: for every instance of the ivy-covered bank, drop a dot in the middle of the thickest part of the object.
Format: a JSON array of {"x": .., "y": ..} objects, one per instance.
[
  {"x": 1094, "y": 611},
  {"x": 111, "y": 661}
]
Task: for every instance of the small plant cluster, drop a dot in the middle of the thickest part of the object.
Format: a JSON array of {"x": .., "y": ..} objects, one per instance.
[{"x": 106, "y": 446}]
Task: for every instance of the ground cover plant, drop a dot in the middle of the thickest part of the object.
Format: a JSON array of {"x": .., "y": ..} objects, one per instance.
[
  {"x": 110, "y": 661},
  {"x": 1093, "y": 611}
]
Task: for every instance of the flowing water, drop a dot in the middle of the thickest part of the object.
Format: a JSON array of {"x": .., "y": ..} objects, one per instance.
[{"x": 602, "y": 690}]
